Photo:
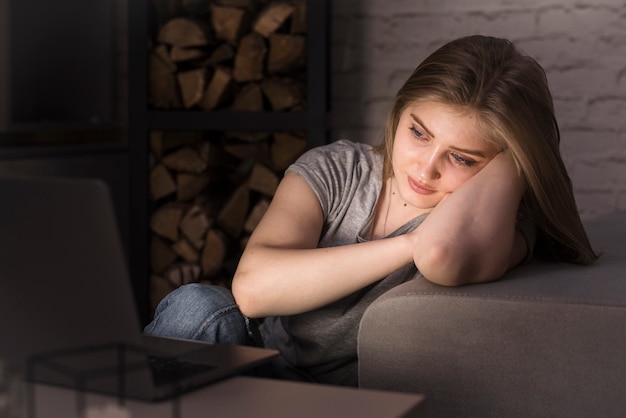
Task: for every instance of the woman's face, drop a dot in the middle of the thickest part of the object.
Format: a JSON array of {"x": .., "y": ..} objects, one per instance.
[{"x": 436, "y": 149}]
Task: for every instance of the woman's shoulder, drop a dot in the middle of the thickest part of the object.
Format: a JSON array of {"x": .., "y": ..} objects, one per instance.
[{"x": 342, "y": 152}]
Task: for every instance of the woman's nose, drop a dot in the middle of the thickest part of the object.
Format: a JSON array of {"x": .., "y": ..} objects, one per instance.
[{"x": 429, "y": 166}]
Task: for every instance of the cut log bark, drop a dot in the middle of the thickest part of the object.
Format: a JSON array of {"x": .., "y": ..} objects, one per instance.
[
  {"x": 223, "y": 52},
  {"x": 282, "y": 93},
  {"x": 186, "y": 251},
  {"x": 299, "y": 17},
  {"x": 244, "y": 151},
  {"x": 164, "y": 141},
  {"x": 272, "y": 17},
  {"x": 178, "y": 54},
  {"x": 214, "y": 252},
  {"x": 162, "y": 84},
  {"x": 286, "y": 53},
  {"x": 162, "y": 183},
  {"x": 192, "y": 84},
  {"x": 230, "y": 23},
  {"x": 285, "y": 149},
  {"x": 250, "y": 59},
  {"x": 249, "y": 99},
  {"x": 233, "y": 214},
  {"x": 183, "y": 273},
  {"x": 255, "y": 215},
  {"x": 185, "y": 159},
  {"x": 185, "y": 32},
  {"x": 263, "y": 180},
  {"x": 164, "y": 221},
  {"x": 190, "y": 185},
  {"x": 194, "y": 226},
  {"x": 219, "y": 90}
]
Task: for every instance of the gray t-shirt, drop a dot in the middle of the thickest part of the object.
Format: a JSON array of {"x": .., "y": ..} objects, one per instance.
[{"x": 321, "y": 344}]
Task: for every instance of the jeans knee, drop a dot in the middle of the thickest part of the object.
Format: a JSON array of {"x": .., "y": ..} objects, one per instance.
[{"x": 199, "y": 311}]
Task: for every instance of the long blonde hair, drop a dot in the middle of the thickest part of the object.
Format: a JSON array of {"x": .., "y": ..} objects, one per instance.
[{"x": 509, "y": 92}]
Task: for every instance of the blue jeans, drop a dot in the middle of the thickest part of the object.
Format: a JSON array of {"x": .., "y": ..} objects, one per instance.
[{"x": 203, "y": 312}]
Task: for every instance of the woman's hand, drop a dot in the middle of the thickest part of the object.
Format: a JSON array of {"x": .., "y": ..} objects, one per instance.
[{"x": 470, "y": 235}]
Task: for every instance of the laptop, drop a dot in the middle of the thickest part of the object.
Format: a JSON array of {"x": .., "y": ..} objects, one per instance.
[{"x": 67, "y": 311}]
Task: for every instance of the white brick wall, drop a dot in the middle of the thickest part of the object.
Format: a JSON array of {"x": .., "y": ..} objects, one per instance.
[{"x": 580, "y": 43}]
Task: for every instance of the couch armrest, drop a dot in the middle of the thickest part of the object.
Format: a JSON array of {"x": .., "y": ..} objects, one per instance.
[{"x": 549, "y": 339}]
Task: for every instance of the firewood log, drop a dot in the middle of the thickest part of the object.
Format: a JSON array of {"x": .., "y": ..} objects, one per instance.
[
  {"x": 183, "y": 273},
  {"x": 194, "y": 226},
  {"x": 285, "y": 149},
  {"x": 223, "y": 52},
  {"x": 186, "y": 250},
  {"x": 286, "y": 53},
  {"x": 185, "y": 159},
  {"x": 230, "y": 23},
  {"x": 214, "y": 252},
  {"x": 263, "y": 180},
  {"x": 233, "y": 214},
  {"x": 244, "y": 151},
  {"x": 162, "y": 183},
  {"x": 299, "y": 17},
  {"x": 213, "y": 154},
  {"x": 189, "y": 185},
  {"x": 192, "y": 84},
  {"x": 219, "y": 90},
  {"x": 179, "y": 54},
  {"x": 282, "y": 93},
  {"x": 272, "y": 17},
  {"x": 163, "y": 141},
  {"x": 250, "y": 58},
  {"x": 185, "y": 32},
  {"x": 163, "y": 89},
  {"x": 164, "y": 221},
  {"x": 249, "y": 99},
  {"x": 255, "y": 215}
]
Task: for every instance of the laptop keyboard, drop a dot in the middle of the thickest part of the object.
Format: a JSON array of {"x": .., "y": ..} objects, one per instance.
[{"x": 168, "y": 370}]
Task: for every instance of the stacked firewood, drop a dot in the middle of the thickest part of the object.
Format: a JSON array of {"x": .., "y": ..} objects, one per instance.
[
  {"x": 242, "y": 55},
  {"x": 208, "y": 191}
]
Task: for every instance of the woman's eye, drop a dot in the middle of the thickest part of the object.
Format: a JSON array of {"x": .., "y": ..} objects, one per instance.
[
  {"x": 416, "y": 132},
  {"x": 464, "y": 161}
]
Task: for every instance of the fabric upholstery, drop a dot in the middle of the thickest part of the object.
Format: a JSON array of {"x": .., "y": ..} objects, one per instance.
[{"x": 549, "y": 339}]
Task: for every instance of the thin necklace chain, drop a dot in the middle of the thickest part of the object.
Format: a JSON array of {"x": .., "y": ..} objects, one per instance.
[
  {"x": 389, "y": 193},
  {"x": 388, "y": 206}
]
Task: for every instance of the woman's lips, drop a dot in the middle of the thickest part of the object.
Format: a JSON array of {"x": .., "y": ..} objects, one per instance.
[{"x": 420, "y": 188}]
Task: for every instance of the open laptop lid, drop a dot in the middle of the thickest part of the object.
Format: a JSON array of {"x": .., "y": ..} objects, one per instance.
[
  {"x": 64, "y": 286},
  {"x": 61, "y": 268}
]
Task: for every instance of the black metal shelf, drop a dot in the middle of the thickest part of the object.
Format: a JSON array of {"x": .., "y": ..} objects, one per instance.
[{"x": 313, "y": 121}]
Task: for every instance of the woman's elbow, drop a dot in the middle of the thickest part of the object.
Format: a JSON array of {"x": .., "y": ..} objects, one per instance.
[
  {"x": 449, "y": 266},
  {"x": 246, "y": 297}
]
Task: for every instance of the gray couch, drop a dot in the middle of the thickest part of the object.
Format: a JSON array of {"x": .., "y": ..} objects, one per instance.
[{"x": 547, "y": 340}]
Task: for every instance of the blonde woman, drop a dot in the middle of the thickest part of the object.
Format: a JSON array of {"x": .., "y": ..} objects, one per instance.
[{"x": 467, "y": 183}]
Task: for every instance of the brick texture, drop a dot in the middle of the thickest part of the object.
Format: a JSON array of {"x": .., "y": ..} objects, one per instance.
[{"x": 375, "y": 44}]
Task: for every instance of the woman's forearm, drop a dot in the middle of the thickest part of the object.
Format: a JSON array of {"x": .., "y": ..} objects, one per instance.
[{"x": 284, "y": 281}]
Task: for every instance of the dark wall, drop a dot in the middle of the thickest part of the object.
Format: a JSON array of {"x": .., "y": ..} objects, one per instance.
[{"x": 110, "y": 165}]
